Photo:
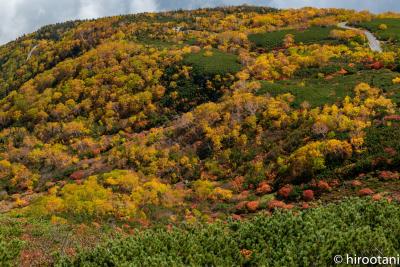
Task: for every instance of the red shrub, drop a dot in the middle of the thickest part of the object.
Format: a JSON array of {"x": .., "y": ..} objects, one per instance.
[
  {"x": 377, "y": 197},
  {"x": 285, "y": 191},
  {"x": 246, "y": 253},
  {"x": 356, "y": 183},
  {"x": 274, "y": 204},
  {"x": 236, "y": 217},
  {"x": 392, "y": 118},
  {"x": 288, "y": 206},
  {"x": 376, "y": 65},
  {"x": 387, "y": 175},
  {"x": 77, "y": 175},
  {"x": 308, "y": 195},
  {"x": 365, "y": 192},
  {"x": 324, "y": 186},
  {"x": 264, "y": 188},
  {"x": 237, "y": 183},
  {"x": 253, "y": 205},
  {"x": 96, "y": 151}
]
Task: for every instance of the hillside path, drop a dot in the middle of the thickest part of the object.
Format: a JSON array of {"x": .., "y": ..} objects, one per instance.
[
  {"x": 374, "y": 43},
  {"x": 31, "y": 52}
]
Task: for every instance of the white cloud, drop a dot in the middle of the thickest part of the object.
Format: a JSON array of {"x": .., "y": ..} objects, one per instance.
[
  {"x": 9, "y": 22},
  {"x": 373, "y": 5},
  {"x": 138, "y": 6},
  {"x": 89, "y": 9}
]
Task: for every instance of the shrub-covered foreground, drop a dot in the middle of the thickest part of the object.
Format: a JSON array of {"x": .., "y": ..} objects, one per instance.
[
  {"x": 307, "y": 238},
  {"x": 10, "y": 245}
]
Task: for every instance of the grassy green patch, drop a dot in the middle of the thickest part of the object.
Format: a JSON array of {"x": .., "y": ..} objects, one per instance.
[
  {"x": 319, "y": 91},
  {"x": 219, "y": 63},
  {"x": 392, "y": 33},
  {"x": 307, "y": 238},
  {"x": 271, "y": 40},
  {"x": 209, "y": 79}
]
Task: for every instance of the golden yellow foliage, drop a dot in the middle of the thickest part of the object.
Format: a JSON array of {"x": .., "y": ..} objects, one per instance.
[
  {"x": 383, "y": 27},
  {"x": 396, "y": 80}
]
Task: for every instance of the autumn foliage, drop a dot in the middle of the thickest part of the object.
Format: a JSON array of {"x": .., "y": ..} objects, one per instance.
[{"x": 164, "y": 117}]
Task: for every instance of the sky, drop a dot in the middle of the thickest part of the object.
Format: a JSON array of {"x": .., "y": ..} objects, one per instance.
[{"x": 24, "y": 16}]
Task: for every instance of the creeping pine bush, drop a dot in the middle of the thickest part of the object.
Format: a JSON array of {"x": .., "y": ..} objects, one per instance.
[
  {"x": 307, "y": 238},
  {"x": 9, "y": 251},
  {"x": 10, "y": 244}
]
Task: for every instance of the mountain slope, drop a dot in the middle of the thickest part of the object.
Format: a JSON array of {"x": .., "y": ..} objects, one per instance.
[{"x": 193, "y": 116}]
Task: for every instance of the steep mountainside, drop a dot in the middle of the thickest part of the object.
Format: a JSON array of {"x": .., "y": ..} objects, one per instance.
[{"x": 191, "y": 117}]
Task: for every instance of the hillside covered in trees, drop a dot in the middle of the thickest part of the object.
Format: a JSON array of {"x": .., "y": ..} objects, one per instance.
[{"x": 227, "y": 128}]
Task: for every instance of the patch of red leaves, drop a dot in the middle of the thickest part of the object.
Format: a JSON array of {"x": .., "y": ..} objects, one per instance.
[
  {"x": 392, "y": 118},
  {"x": 365, "y": 192},
  {"x": 237, "y": 183},
  {"x": 263, "y": 188},
  {"x": 274, "y": 204},
  {"x": 277, "y": 204},
  {"x": 356, "y": 183},
  {"x": 236, "y": 217},
  {"x": 324, "y": 186},
  {"x": 77, "y": 175},
  {"x": 377, "y": 197},
  {"x": 246, "y": 253},
  {"x": 252, "y": 206},
  {"x": 285, "y": 191},
  {"x": 388, "y": 175},
  {"x": 308, "y": 195},
  {"x": 334, "y": 183},
  {"x": 376, "y": 65}
]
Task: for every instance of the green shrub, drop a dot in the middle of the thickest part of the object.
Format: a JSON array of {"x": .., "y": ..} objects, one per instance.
[
  {"x": 10, "y": 245},
  {"x": 9, "y": 251},
  {"x": 308, "y": 238}
]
